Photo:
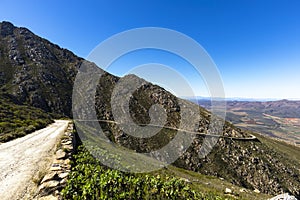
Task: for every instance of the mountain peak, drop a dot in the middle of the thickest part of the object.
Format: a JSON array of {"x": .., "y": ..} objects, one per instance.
[{"x": 6, "y": 28}]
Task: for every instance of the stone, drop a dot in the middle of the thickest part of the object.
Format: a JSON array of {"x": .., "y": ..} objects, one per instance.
[
  {"x": 68, "y": 147},
  {"x": 67, "y": 161},
  {"x": 256, "y": 191},
  {"x": 49, "y": 184},
  {"x": 243, "y": 190},
  {"x": 56, "y": 193},
  {"x": 55, "y": 167},
  {"x": 186, "y": 180},
  {"x": 228, "y": 191},
  {"x": 63, "y": 181},
  {"x": 50, "y": 176},
  {"x": 68, "y": 167},
  {"x": 60, "y": 154},
  {"x": 67, "y": 143},
  {"x": 63, "y": 175},
  {"x": 55, "y": 161},
  {"x": 52, "y": 183}
]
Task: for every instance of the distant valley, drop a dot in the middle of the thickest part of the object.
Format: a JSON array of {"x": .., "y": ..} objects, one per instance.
[{"x": 279, "y": 119}]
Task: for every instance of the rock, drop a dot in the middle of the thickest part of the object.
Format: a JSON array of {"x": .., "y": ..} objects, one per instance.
[
  {"x": 67, "y": 161},
  {"x": 60, "y": 154},
  {"x": 63, "y": 175},
  {"x": 55, "y": 167},
  {"x": 256, "y": 191},
  {"x": 228, "y": 191},
  {"x": 55, "y": 161},
  {"x": 186, "y": 180},
  {"x": 63, "y": 181},
  {"x": 67, "y": 143},
  {"x": 50, "y": 176},
  {"x": 243, "y": 190},
  {"x": 49, "y": 184},
  {"x": 68, "y": 147},
  {"x": 67, "y": 167},
  {"x": 56, "y": 193},
  {"x": 52, "y": 183}
]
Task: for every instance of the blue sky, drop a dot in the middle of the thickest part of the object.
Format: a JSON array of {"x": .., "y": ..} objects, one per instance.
[{"x": 255, "y": 44}]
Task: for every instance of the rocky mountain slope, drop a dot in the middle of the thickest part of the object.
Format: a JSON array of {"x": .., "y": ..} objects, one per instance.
[
  {"x": 249, "y": 163},
  {"x": 35, "y": 72}
]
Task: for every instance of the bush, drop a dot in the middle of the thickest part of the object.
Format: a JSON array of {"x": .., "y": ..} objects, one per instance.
[
  {"x": 90, "y": 180},
  {"x": 19, "y": 120}
]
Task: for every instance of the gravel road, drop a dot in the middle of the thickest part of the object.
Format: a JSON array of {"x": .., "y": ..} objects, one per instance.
[{"x": 21, "y": 159}]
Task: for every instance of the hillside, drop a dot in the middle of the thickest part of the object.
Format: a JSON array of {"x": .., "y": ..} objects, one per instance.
[
  {"x": 37, "y": 73},
  {"x": 251, "y": 164}
]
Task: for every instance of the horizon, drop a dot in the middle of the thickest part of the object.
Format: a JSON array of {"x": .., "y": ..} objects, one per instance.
[
  {"x": 255, "y": 45},
  {"x": 238, "y": 98}
]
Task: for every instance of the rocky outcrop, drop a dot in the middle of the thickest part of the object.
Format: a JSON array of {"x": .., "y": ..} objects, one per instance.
[{"x": 250, "y": 164}]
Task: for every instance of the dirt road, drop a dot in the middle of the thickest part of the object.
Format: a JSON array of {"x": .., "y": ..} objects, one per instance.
[{"x": 21, "y": 159}]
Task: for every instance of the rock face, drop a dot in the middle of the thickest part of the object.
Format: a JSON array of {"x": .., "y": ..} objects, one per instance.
[
  {"x": 39, "y": 73},
  {"x": 35, "y": 71}
]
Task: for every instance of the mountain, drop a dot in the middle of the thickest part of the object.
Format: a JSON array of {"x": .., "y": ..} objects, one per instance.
[
  {"x": 37, "y": 73},
  {"x": 279, "y": 108}
]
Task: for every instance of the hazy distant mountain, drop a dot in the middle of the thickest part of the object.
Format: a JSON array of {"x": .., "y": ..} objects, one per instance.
[
  {"x": 196, "y": 98},
  {"x": 35, "y": 72},
  {"x": 279, "y": 108}
]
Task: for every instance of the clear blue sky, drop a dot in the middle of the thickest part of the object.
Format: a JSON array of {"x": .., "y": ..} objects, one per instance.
[{"x": 254, "y": 43}]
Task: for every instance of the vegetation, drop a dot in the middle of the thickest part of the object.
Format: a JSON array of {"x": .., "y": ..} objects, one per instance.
[
  {"x": 20, "y": 120},
  {"x": 91, "y": 180}
]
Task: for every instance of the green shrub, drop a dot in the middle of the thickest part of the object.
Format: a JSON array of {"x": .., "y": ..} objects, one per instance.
[
  {"x": 91, "y": 180},
  {"x": 19, "y": 120}
]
